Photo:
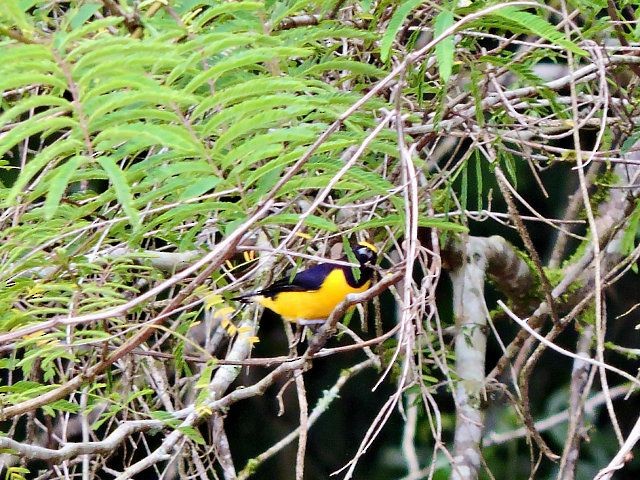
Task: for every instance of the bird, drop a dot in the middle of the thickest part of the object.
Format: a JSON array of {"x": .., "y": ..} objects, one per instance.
[{"x": 312, "y": 294}]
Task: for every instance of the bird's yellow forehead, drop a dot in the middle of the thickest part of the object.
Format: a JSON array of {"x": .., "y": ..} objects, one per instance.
[{"x": 371, "y": 247}]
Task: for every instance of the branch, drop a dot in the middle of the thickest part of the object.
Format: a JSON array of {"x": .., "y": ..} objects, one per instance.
[
  {"x": 613, "y": 214},
  {"x": 462, "y": 113},
  {"x": 525, "y": 325},
  {"x": 72, "y": 450},
  {"x": 164, "y": 261},
  {"x": 226, "y": 374},
  {"x": 470, "y": 313},
  {"x": 580, "y": 385},
  {"x": 321, "y": 406},
  {"x": 623, "y": 456},
  {"x": 17, "y": 35},
  {"x": 511, "y": 274},
  {"x": 212, "y": 261},
  {"x": 498, "y": 438},
  {"x": 221, "y": 381}
]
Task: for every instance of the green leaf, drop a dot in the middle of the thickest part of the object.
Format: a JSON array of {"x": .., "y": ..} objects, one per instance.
[
  {"x": 20, "y": 469},
  {"x": 478, "y": 162},
  {"x": 366, "y": 5},
  {"x": 205, "y": 376},
  {"x": 226, "y": 8},
  {"x": 629, "y": 143},
  {"x": 267, "y": 181},
  {"x": 246, "y": 59},
  {"x": 121, "y": 187},
  {"x": 34, "y": 126},
  {"x": 292, "y": 219},
  {"x": 397, "y": 220},
  {"x": 395, "y": 23},
  {"x": 61, "y": 406},
  {"x": 262, "y": 121},
  {"x": 510, "y": 165},
  {"x": 58, "y": 184},
  {"x": 16, "y": 17},
  {"x": 271, "y": 145},
  {"x": 445, "y": 49},
  {"x": 261, "y": 86},
  {"x": 193, "y": 434},
  {"x": 199, "y": 187},
  {"x": 35, "y": 102},
  {"x": 153, "y": 95},
  {"x": 14, "y": 80},
  {"x": 464, "y": 187},
  {"x": 109, "y": 414},
  {"x": 474, "y": 86},
  {"x": 55, "y": 152},
  {"x": 629, "y": 237},
  {"x": 61, "y": 39},
  {"x": 259, "y": 105},
  {"x": 84, "y": 13},
  {"x": 143, "y": 135},
  {"x": 522, "y": 70},
  {"x": 166, "y": 417},
  {"x": 348, "y": 65},
  {"x": 138, "y": 394},
  {"x": 538, "y": 26}
]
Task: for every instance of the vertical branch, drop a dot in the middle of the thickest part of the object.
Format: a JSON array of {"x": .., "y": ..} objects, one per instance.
[
  {"x": 403, "y": 310},
  {"x": 304, "y": 424},
  {"x": 303, "y": 404},
  {"x": 86, "y": 428},
  {"x": 408, "y": 435},
  {"x": 471, "y": 342},
  {"x": 322, "y": 406},
  {"x": 593, "y": 227},
  {"x": 223, "y": 451},
  {"x": 580, "y": 386}
]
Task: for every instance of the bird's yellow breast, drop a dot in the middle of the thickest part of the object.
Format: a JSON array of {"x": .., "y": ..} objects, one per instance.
[{"x": 312, "y": 304}]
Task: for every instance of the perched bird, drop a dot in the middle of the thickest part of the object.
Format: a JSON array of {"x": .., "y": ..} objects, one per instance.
[{"x": 310, "y": 297}]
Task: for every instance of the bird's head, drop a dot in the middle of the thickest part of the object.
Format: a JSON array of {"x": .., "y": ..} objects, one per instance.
[{"x": 365, "y": 253}]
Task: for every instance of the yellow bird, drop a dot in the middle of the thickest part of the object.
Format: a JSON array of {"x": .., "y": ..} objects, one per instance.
[{"x": 311, "y": 296}]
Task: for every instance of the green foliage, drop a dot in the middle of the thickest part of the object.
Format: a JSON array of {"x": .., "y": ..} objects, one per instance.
[
  {"x": 602, "y": 191},
  {"x": 631, "y": 233},
  {"x": 16, "y": 473},
  {"x": 537, "y": 25},
  {"x": 135, "y": 142},
  {"x": 445, "y": 48},
  {"x": 400, "y": 14}
]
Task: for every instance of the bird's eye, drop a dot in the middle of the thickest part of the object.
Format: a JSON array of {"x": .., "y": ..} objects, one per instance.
[{"x": 364, "y": 254}]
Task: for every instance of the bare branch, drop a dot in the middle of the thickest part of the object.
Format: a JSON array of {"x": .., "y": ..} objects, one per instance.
[{"x": 72, "y": 450}]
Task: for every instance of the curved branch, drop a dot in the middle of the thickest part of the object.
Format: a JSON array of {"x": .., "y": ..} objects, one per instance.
[{"x": 72, "y": 450}]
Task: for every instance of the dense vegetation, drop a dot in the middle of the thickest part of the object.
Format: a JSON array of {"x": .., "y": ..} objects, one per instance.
[{"x": 158, "y": 157}]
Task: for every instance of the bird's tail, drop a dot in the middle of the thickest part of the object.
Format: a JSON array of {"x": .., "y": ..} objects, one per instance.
[{"x": 246, "y": 297}]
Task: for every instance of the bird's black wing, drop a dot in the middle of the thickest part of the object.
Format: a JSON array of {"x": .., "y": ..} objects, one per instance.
[{"x": 309, "y": 279}]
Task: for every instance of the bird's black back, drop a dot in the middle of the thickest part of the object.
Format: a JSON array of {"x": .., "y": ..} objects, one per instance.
[{"x": 312, "y": 279}]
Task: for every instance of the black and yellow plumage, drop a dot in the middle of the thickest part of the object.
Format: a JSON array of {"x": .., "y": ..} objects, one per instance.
[{"x": 311, "y": 295}]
